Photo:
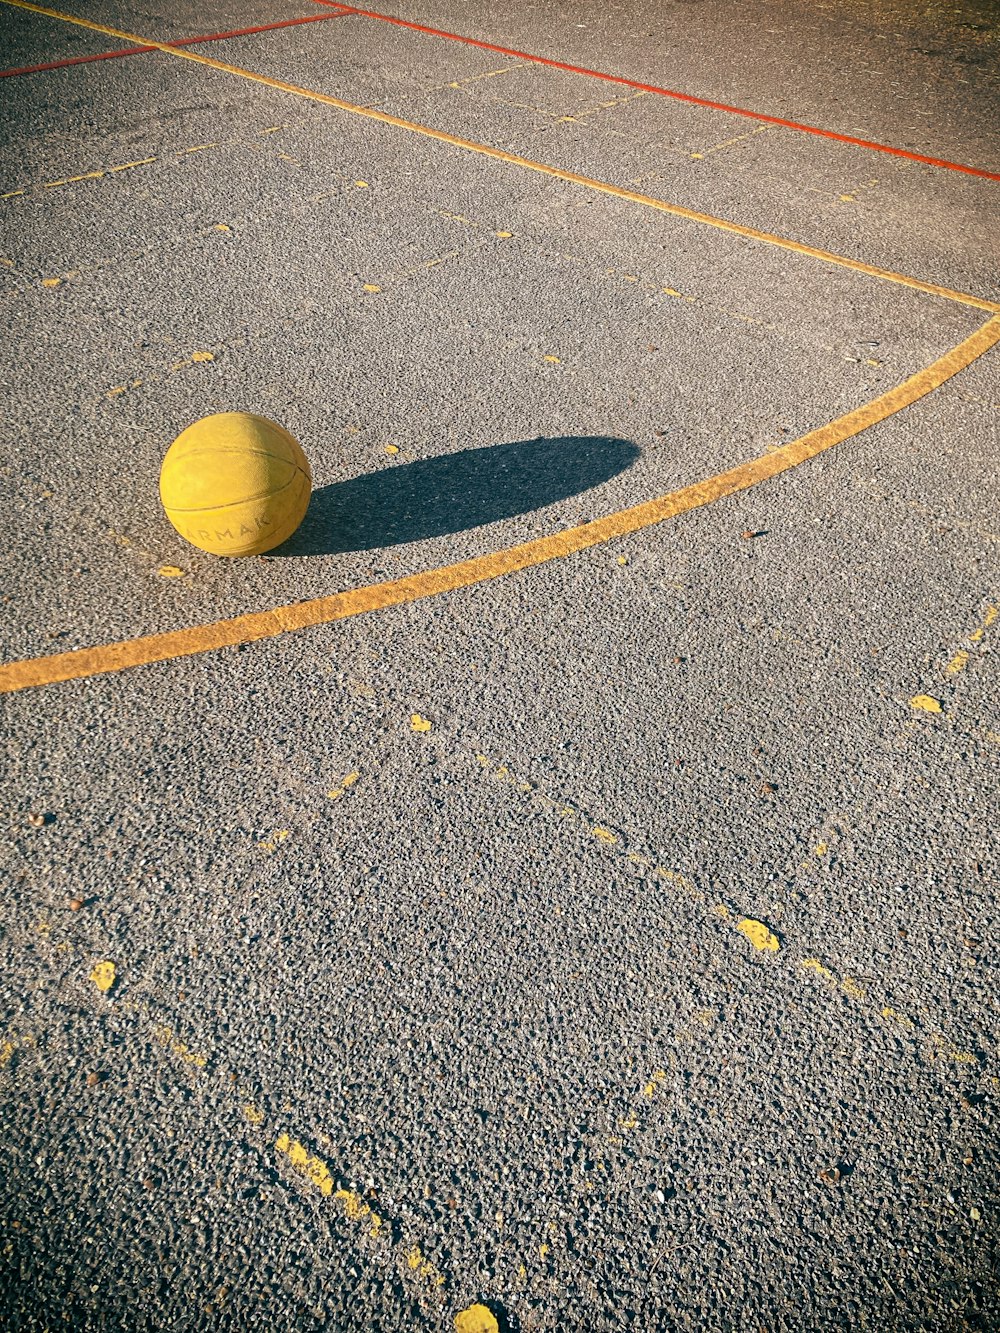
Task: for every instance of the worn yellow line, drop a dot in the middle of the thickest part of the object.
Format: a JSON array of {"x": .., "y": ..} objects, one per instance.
[
  {"x": 86, "y": 662},
  {"x": 647, "y": 201}
]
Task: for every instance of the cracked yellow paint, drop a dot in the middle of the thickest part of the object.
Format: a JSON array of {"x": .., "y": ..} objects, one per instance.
[
  {"x": 275, "y": 840},
  {"x": 814, "y": 965},
  {"x": 758, "y": 935},
  {"x": 103, "y": 976},
  {"x": 314, "y": 1169}
]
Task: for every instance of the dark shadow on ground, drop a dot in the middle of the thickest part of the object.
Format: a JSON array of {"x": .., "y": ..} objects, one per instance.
[{"x": 437, "y": 496}]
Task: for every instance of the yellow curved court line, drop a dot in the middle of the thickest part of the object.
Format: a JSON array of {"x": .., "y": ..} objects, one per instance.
[
  {"x": 86, "y": 662},
  {"x": 676, "y": 210}
]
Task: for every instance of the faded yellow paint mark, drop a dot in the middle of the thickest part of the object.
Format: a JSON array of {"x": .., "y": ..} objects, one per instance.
[
  {"x": 103, "y": 976},
  {"x": 552, "y": 360},
  {"x": 221, "y": 226},
  {"x": 605, "y": 835},
  {"x": 814, "y": 965},
  {"x": 894, "y": 1016},
  {"x": 361, "y": 185},
  {"x": 335, "y": 793},
  {"x": 371, "y": 287},
  {"x": 505, "y": 235},
  {"x": 357, "y": 1210},
  {"x": 721, "y": 910},
  {"x": 313, "y": 1169},
  {"x": 948, "y": 1051},
  {"x": 476, "y": 1319},
  {"x": 165, "y": 1037},
  {"x": 728, "y": 143},
  {"x": 52, "y": 282},
  {"x": 391, "y": 448},
  {"x": 43, "y": 928},
  {"x": 253, "y": 1113},
  {"x": 275, "y": 841},
  {"x": 418, "y": 723},
  {"x": 650, "y": 1088},
  {"x": 758, "y": 935},
  {"x": 199, "y": 357},
  {"x": 926, "y": 703},
  {"x": 170, "y": 572},
  {"x": 423, "y": 1267},
  {"x": 821, "y": 848},
  {"x": 850, "y": 987}
]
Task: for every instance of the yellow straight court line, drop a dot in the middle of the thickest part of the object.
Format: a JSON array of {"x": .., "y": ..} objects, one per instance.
[
  {"x": 647, "y": 201},
  {"x": 323, "y": 610}
]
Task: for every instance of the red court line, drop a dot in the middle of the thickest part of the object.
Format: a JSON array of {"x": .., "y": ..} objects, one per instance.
[
  {"x": 669, "y": 92},
  {"x": 182, "y": 41}
]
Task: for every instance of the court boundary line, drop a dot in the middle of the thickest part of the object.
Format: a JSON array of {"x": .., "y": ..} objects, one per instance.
[
  {"x": 529, "y": 164},
  {"x": 84, "y": 663},
  {"x": 660, "y": 91},
  {"x": 180, "y": 41}
]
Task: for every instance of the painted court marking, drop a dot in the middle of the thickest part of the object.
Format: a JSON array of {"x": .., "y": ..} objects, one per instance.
[
  {"x": 86, "y": 662},
  {"x": 497, "y": 154},
  {"x": 670, "y": 92},
  {"x": 180, "y": 41}
]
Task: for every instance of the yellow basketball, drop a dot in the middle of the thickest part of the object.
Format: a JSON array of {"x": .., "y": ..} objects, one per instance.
[{"x": 235, "y": 484}]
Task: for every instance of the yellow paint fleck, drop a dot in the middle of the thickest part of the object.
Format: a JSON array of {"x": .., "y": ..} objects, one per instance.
[
  {"x": 623, "y": 559},
  {"x": 630, "y": 1121},
  {"x": 872, "y": 361},
  {"x": 848, "y": 199},
  {"x": 552, "y": 360},
  {"x": 371, "y": 287},
  {"x": 116, "y": 391},
  {"x": 314, "y": 1169},
  {"x": 476, "y": 1319},
  {"x": 721, "y": 910},
  {"x": 198, "y": 357},
  {"x": 505, "y": 235},
  {"x": 991, "y": 614},
  {"x": 103, "y": 976},
  {"x": 758, "y": 935},
  {"x": 43, "y": 927},
  {"x": 361, "y": 185},
  {"x": 336, "y": 792},
  {"x": 391, "y": 448},
  {"x": 52, "y": 282},
  {"x": 482, "y": 760},
  {"x": 542, "y": 1251},
  {"x": 814, "y": 965},
  {"x": 170, "y": 572},
  {"x": 957, "y": 663},
  {"x": 418, "y": 723},
  {"x": 221, "y": 226},
  {"x": 274, "y": 841},
  {"x": 926, "y": 703},
  {"x": 822, "y": 848},
  {"x": 850, "y": 987},
  {"x": 650, "y": 1089},
  {"x": 7, "y": 1050},
  {"x": 605, "y": 835},
  {"x": 253, "y": 1114}
]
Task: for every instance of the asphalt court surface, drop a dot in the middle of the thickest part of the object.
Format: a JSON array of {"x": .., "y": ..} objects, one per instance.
[{"x": 611, "y": 942}]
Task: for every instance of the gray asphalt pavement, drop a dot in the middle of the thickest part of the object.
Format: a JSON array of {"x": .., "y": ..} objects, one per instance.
[{"x": 612, "y": 943}]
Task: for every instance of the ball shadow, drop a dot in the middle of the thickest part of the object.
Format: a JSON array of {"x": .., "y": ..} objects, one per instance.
[{"x": 435, "y": 497}]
